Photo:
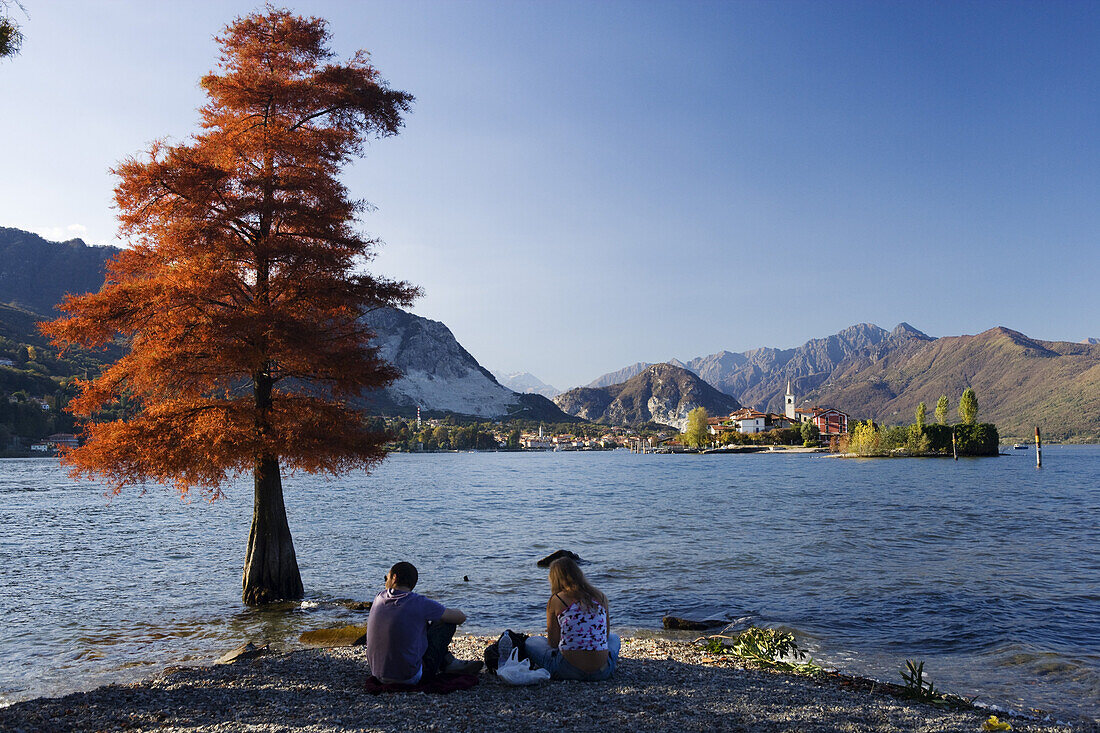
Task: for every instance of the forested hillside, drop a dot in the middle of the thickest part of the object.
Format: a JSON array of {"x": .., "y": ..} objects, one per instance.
[{"x": 36, "y": 273}]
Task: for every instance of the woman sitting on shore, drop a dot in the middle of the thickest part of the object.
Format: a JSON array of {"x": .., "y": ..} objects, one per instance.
[{"x": 579, "y": 644}]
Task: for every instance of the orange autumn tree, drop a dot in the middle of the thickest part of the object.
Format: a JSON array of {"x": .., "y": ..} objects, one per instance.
[{"x": 240, "y": 294}]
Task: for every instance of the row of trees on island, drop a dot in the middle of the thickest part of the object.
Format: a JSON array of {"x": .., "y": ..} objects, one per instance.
[{"x": 968, "y": 437}]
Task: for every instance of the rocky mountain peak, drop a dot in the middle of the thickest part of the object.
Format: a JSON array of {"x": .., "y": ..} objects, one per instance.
[
  {"x": 437, "y": 373},
  {"x": 904, "y": 330},
  {"x": 662, "y": 393}
]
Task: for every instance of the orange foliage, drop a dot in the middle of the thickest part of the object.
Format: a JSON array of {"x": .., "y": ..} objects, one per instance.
[{"x": 239, "y": 296}]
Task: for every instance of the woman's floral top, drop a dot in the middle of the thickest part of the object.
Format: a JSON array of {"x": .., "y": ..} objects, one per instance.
[{"x": 583, "y": 629}]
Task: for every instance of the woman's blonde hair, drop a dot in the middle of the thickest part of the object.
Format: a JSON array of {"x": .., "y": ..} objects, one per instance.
[{"x": 566, "y": 577}]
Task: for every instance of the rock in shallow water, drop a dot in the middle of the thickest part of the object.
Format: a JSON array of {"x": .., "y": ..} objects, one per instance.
[
  {"x": 242, "y": 653},
  {"x": 356, "y": 605},
  {"x": 340, "y": 636},
  {"x": 545, "y": 562},
  {"x": 683, "y": 624}
]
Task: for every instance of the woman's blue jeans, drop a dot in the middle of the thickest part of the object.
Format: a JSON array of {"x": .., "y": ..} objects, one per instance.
[{"x": 550, "y": 659}]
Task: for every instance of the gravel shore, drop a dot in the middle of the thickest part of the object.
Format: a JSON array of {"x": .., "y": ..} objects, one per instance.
[{"x": 660, "y": 686}]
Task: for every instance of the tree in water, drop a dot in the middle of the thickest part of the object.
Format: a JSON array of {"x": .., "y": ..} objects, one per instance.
[
  {"x": 240, "y": 296},
  {"x": 968, "y": 407},
  {"x": 697, "y": 432},
  {"x": 942, "y": 406}
]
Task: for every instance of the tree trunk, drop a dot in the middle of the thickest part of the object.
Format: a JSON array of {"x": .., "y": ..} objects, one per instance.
[{"x": 270, "y": 567}]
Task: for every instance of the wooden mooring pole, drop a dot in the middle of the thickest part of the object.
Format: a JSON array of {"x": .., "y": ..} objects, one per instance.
[{"x": 1038, "y": 449}]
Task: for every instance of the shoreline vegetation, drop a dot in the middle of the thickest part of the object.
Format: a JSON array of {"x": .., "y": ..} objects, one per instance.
[{"x": 661, "y": 684}]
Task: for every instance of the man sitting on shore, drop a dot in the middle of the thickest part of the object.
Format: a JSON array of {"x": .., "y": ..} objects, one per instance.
[{"x": 408, "y": 634}]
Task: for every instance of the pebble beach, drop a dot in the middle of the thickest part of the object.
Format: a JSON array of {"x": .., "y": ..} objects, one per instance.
[{"x": 660, "y": 685}]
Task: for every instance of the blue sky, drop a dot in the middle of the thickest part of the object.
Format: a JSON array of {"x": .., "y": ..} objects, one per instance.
[{"x": 585, "y": 185}]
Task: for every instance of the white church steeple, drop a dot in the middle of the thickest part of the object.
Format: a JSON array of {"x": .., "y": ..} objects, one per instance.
[{"x": 789, "y": 403}]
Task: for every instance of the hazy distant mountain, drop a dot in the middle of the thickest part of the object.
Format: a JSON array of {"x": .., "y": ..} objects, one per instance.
[
  {"x": 1091, "y": 340},
  {"x": 761, "y": 381},
  {"x": 661, "y": 392},
  {"x": 758, "y": 378},
  {"x": 527, "y": 383},
  {"x": 36, "y": 274},
  {"x": 620, "y": 376},
  {"x": 871, "y": 373}
]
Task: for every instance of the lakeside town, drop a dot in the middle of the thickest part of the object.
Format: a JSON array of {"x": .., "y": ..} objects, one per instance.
[{"x": 821, "y": 426}]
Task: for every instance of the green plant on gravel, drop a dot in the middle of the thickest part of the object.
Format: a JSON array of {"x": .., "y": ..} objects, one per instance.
[
  {"x": 767, "y": 647},
  {"x": 918, "y": 688}
]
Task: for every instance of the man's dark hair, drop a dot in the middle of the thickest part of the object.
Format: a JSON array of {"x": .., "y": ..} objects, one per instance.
[{"x": 405, "y": 574}]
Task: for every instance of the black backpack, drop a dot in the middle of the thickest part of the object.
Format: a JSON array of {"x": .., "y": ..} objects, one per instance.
[{"x": 502, "y": 648}]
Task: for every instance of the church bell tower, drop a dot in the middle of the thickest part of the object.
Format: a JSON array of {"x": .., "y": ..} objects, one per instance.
[{"x": 789, "y": 403}]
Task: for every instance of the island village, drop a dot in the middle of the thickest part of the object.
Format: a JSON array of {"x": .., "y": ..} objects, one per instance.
[{"x": 729, "y": 432}]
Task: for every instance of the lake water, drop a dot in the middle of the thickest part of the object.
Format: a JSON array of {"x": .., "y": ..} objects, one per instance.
[{"x": 986, "y": 569}]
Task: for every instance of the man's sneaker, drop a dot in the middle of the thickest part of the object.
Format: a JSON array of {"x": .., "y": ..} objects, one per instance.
[{"x": 457, "y": 666}]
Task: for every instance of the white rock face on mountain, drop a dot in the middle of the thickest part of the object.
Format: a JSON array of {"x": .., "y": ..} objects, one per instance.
[
  {"x": 661, "y": 393},
  {"x": 526, "y": 382},
  {"x": 438, "y": 374}
]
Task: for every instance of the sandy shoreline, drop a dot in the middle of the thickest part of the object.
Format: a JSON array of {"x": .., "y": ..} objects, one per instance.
[{"x": 660, "y": 685}]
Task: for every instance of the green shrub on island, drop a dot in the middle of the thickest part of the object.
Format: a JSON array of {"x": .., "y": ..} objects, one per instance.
[
  {"x": 939, "y": 438},
  {"x": 981, "y": 439},
  {"x": 868, "y": 439},
  {"x": 971, "y": 438}
]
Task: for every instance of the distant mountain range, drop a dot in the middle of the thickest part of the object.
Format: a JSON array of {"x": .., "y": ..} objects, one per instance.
[
  {"x": 438, "y": 374},
  {"x": 864, "y": 370},
  {"x": 758, "y": 378},
  {"x": 1020, "y": 382},
  {"x": 527, "y": 383},
  {"x": 869, "y": 372},
  {"x": 659, "y": 393}
]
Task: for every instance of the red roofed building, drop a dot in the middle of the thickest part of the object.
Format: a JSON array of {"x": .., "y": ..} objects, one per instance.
[{"x": 829, "y": 421}]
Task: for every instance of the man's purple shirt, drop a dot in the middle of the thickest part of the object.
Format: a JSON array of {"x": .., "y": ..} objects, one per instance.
[{"x": 397, "y": 633}]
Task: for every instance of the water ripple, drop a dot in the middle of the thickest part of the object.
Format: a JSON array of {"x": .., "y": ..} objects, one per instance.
[{"x": 985, "y": 569}]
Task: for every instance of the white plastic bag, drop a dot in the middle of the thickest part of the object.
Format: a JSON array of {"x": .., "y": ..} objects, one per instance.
[{"x": 515, "y": 672}]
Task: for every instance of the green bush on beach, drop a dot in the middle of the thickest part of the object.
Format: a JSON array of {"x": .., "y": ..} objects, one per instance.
[{"x": 767, "y": 647}]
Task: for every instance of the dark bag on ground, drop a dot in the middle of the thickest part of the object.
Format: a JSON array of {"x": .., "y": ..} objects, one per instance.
[{"x": 502, "y": 648}]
